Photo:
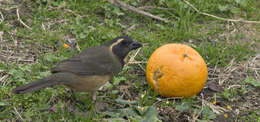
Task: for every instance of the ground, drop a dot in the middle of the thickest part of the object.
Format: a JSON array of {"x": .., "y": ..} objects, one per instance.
[{"x": 32, "y": 34}]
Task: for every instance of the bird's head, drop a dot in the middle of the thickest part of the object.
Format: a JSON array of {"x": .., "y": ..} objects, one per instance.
[{"x": 122, "y": 45}]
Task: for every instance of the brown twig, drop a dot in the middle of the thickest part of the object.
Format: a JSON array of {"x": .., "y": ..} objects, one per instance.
[
  {"x": 138, "y": 62},
  {"x": 195, "y": 116},
  {"x": 129, "y": 29},
  {"x": 234, "y": 86},
  {"x": 55, "y": 22},
  {"x": 75, "y": 14},
  {"x": 18, "y": 114},
  {"x": 133, "y": 57},
  {"x": 3, "y": 78},
  {"x": 220, "y": 18},
  {"x": 121, "y": 4},
  {"x": 228, "y": 70},
  {"x": 141, "y": 67},
  {"x": 152, "y": 7},
  {"x": 20, "y": 20},
  {"x": 2, "y": 17},
  {"x": 1, "y": 35},
  {"x": 214, "y": 108},
  {"x": 67, "y": 10}
]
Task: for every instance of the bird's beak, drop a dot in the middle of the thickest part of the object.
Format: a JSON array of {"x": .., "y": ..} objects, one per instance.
[{"x": 135, "y": 45}]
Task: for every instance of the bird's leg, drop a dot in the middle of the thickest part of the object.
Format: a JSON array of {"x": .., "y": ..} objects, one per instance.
[
  {"x": 98, "y": 106},
  {"x": 94, "y": 96},
  {"x": 94, "y": 99},
  {"x": 73, "y": 98}
]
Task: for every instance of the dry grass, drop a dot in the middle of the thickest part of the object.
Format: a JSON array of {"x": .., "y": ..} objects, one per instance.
[{"x": 221, "y": 80}]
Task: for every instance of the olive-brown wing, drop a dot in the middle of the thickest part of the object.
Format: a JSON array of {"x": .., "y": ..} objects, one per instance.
[{"x": 91, "y": 62}]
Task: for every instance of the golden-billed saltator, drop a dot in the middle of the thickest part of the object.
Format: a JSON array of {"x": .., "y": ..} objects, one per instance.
[{"x": 89, "y": 70}]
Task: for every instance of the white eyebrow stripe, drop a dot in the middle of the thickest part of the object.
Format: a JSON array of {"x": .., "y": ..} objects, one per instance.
[{"x": 115, "y": 43}]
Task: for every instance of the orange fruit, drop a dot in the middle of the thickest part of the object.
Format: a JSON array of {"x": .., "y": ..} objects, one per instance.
[{"x": 176, "y": 70}]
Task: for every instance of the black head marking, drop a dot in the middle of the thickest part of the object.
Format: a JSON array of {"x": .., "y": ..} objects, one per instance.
[{"x": 122, "y": 45}]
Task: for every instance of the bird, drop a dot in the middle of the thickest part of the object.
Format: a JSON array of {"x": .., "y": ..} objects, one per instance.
[{"x": 89, "y": 70}]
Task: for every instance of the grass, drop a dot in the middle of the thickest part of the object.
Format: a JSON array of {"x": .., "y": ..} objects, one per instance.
[{"x": 228, "y": 48}]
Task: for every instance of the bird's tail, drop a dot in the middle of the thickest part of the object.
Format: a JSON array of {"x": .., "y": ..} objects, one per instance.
[{"x": 36, "y": 85}]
